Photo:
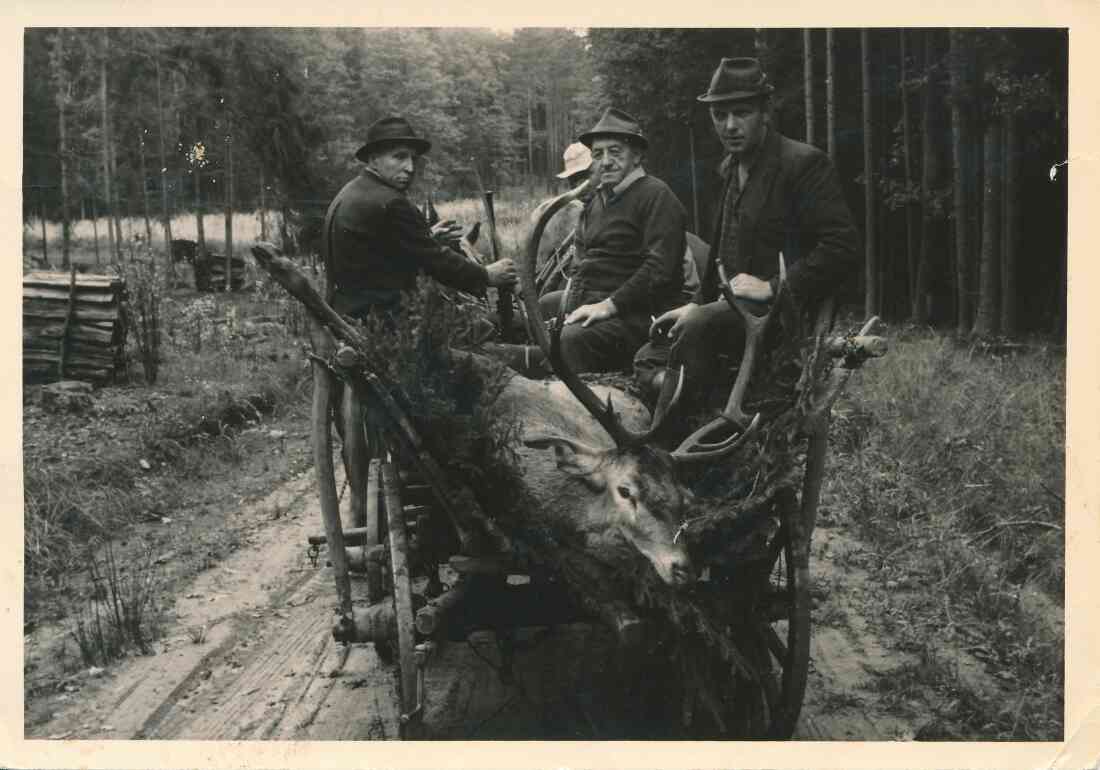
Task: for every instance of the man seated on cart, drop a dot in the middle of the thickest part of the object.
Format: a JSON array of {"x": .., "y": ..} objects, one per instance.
[
  {"x": 376, "y": 242},
  {"x": 557, "y": 247},
  {"x": 558, "y": 243},
  {"x": 779, "y": 196},
  {"x": 629, "y": 249}
]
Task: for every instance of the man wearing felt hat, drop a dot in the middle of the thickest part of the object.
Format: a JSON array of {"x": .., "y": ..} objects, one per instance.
[
  {"x": 375, "y": 240},
  {"x": 779, "y": 195},
  {"x": 629, "y": 247}
]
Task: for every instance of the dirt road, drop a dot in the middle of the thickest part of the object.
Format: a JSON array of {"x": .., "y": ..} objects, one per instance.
[{"x": 250, "y": 656}]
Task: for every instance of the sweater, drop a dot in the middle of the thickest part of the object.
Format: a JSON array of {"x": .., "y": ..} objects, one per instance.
[{"x": 631, "y": 246}]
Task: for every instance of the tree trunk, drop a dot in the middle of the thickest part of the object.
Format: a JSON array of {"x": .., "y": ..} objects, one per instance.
[
  {"x": 985, "y": 324},
  {"x": 200, "y": 230},
  {"x": 95, "y": 214},
  {"x": 808, "y": 82},
  {"x": 959, "y": 138},
  {"x": 145, "y": 195},
  {"x": 761, "y": 48},
  {"x": 530, "y": 145},
  {"x": 1011, "y": 229},
  {"x": 870, "y": 273},
  {"x": 919, "y": 304},
  {"x": 117, "y": 208},
  {"x": 61, "y": 83},
  {"x": 130, "y": 220},
  {"x": 830, "y": 100},
  {"x": 907, "y": 157},
  {"x": 263, "y": 206},
  {"x": 42, "y": 219},
  {"x": 166, "y": 213},
  {"x": 228, "y": 205},
  {"x": 108, "y": 202}
]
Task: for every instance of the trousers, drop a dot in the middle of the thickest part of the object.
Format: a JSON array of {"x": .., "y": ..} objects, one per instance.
[
  {"x": 603, "y": 346},
  {"x": 707, "y": 331}
]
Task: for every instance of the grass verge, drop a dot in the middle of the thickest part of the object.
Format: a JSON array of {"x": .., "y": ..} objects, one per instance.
[{"x": 950, "y": 462}]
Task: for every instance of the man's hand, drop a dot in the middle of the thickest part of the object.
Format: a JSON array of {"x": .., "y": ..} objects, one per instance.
[
  {"x": 750, "y": 287},
  {"x": 446, "y": 230},
  {"x": 586, "y": 315},
  {"x": 502, "y": 273},
  {"x": 673, "y": 319}
]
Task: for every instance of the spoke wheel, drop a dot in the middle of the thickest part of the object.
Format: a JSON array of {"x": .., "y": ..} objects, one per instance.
[
  {"x": 402, "y": 599},
  {"x": 784, "y": 631}
]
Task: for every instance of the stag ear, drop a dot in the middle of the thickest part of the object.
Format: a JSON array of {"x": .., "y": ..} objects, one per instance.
[
  {"x": 473, "y": 233},
  {"x": 573, "y": 457}
]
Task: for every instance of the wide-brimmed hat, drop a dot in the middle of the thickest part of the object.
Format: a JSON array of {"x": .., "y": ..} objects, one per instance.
[
  {"x": 392, "y": 130},
  {"x": 615, "y": 122},
  {"x": 740, "y": 78},
  {"x": 577, "y": 159}
]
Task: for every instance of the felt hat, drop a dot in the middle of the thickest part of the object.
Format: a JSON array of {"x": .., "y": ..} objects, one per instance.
[
  {"x": 736, "y": 79},
  {"x": 391, "y": 130},
  {"x": 615, "y": 122}
]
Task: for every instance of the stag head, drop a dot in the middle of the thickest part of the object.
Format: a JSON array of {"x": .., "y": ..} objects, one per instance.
[{"x": 631, "y": 493}]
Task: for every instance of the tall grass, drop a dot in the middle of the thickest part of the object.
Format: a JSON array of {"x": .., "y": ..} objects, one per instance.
[
  {"x": 246, "y": 228},
  {"x": 512, "y": 208},
  {"x": 943, "y": 434},
  {"x": 950, "y": 462}
]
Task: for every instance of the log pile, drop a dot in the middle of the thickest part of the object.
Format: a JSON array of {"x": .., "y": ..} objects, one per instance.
[
  {"x": 74, "y": 326},
  {"x": 210, "y": 273}
]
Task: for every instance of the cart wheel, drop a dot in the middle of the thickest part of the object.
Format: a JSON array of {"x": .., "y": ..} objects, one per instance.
[
  {"x": 404, "y": 611},
  {"x": 784, "y": 632}
]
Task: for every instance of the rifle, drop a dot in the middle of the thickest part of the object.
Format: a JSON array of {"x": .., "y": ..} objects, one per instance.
[{"x": 504, "y": 296}]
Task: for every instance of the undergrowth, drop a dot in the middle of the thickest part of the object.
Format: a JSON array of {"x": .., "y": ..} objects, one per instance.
[
  {"x": 951, "y": 464},
  {"x": 122, "y": 614},
  {"x": 227, "y": 362}
]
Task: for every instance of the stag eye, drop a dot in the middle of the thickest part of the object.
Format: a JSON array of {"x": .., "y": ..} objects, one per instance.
[{"x": 625, "y": 492}]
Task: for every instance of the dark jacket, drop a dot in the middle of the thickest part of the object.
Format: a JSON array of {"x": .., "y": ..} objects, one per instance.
[
  {"x": 375, "y": 243},
  {"x": 791, "y": 202},
  {"x": 631, "y": 248}
]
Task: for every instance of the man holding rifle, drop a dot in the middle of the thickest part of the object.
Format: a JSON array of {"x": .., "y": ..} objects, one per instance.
[{"x": 376, "y": 241}]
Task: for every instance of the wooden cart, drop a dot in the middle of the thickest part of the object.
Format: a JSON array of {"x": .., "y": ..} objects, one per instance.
[{"x": 410, "y": 529}]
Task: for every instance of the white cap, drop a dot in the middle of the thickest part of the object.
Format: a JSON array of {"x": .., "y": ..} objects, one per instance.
[{"x": 577, "y": 158}]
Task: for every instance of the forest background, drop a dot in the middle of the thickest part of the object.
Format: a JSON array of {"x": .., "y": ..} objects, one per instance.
[{"x": 929, "y": 128}]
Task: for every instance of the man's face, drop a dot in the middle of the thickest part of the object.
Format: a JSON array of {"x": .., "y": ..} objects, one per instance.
[
  {"x": 396, "y": 165},
  {"x": 740, "y": 125},
  {"x": 612, "y": 160}
]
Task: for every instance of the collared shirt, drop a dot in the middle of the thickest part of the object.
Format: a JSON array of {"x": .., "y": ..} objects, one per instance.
[{"x": 620, "y": 188}]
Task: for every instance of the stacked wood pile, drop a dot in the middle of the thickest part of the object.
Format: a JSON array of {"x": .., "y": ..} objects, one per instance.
[
  {"x": 74, "y": 326},
  {"x": 210, "y": 272}
]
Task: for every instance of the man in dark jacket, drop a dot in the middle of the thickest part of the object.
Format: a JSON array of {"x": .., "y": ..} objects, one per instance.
[
  {"x": 375, "y": 244},
  {"x": 375, "y": 239},
  {"x": 779, "y": 195},
  {"x": 630, "y": 244}
]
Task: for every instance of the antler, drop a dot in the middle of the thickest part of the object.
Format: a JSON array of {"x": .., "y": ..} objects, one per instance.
[
  {"x": 693, "y": 449},
  {"x": 550, "y": 343}
]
